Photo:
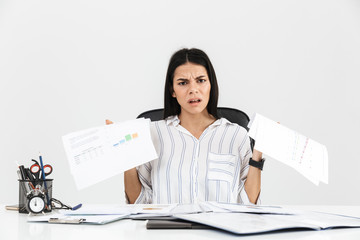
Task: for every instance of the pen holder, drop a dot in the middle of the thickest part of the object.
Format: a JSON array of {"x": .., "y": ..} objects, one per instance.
[{"x": 34, "y": 196}]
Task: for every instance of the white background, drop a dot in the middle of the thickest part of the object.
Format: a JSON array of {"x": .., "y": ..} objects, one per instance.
[{"x": 69, "y": 65}]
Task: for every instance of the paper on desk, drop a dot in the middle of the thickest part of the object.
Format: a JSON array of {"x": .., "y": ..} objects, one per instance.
[
  {"x": 246, "y": 223},
  {"x": 240, "y": 208},
  {"x": 103, "y": 209},
  {"x": 91, "y": 219},
  {"x": 115, "y": 209},
  {"x": 305, "y": 155},
  {"x": 99, "y": 153},
  {"x": 167, "y": 210}
]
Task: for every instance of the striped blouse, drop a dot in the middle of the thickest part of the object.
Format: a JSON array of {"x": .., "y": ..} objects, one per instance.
[{"x": 211, "y": 168}]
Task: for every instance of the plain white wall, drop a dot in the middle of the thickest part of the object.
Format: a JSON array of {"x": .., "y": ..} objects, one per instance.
[{"x": 68, "y": 65}]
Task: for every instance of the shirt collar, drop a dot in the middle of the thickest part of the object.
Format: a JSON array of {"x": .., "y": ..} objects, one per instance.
[
  {"x": 172, "y": 119},
  {"x": 176, "y": 121}
]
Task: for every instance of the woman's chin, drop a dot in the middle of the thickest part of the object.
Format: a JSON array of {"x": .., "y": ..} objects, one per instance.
[{"x": 194, "y": 110}]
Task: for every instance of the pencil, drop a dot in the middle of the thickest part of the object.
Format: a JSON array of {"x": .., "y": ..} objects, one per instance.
[{"x": 43, "y": 177}]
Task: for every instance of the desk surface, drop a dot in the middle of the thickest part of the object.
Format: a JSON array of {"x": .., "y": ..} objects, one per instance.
[{"x": 14, "y": 226}]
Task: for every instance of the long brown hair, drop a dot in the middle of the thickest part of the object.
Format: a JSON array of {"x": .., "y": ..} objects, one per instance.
[{"x": 196, "y": 56}]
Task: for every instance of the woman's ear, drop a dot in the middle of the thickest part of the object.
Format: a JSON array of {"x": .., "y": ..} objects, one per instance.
[{"x": 173, "y": 95}]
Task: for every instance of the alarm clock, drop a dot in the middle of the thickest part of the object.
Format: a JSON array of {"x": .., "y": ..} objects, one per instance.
[{"x": 35, "y": 202}]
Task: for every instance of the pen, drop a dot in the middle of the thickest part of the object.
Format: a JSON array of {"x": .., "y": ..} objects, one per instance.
[
  {"x": 30, "y": 177},
  {"x": 43, "y": 177},
  {"x": 24, "y": 183},
  {"x": 76, "y": 207},
  {"x": 22, "y": 172}
]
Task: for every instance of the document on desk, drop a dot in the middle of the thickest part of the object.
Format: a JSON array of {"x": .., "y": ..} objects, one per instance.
[
  {"x": 76, "y": 219},
  {"x": 305, "y": 155},
  {"x": 241, "y": 208},
  {"x": 129, "y": 209},
  {"x": 99, "y": 153},
  {"x": 250, "y": 223}
]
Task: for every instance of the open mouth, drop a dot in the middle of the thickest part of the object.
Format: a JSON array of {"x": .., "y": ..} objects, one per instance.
[{"x": 197, "y": 100}]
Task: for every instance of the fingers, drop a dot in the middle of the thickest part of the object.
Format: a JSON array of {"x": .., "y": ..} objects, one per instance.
[{"x": 107, "y": 121}]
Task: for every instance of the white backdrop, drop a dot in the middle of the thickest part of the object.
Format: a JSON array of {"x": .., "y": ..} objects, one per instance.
[{"x": 68, "y": 65}]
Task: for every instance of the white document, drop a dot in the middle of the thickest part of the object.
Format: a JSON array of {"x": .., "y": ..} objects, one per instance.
[
  {"x": 126, "y": 209},
  {"x": 99, "y": 153},
  {"x": 133, "y": 211},
  {"x": 240, "y": 208},
  {"x": 307, "y": 156},
  {"x": 76, "y": 219},
  {"x": 103, "y": 209},
  {"x": 249, "y": 223}
]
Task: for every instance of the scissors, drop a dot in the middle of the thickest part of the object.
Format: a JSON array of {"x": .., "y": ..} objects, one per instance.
[{"x": 35, "y": 169}]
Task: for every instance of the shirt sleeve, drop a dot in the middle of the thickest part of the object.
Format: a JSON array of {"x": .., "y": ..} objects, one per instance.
[
  {"x": 144, "y": 173},
  {"x": 245, "y": 154}
]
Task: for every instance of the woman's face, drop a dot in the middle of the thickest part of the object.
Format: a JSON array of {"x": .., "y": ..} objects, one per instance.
[{"x": 191, "y": 88}]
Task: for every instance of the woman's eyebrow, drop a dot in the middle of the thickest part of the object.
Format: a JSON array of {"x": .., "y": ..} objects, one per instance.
[{"x": 185, "y": 79}]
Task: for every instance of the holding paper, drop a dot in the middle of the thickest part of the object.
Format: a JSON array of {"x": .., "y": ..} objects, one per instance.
[
  {"x": 99, "y": 153},
  {"x": 303, "y": 154}
]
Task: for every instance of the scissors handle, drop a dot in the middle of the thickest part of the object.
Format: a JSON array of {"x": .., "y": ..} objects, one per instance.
[
  {"x": 35, "y": 169},
  {"x": 47, "y": 169}
]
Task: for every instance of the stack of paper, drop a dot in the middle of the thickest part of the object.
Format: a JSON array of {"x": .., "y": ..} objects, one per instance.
[
  {"x": 105, "y": 213},
  {"x": 99, "y": 153},
  {"x": 305, "y": 155},
  {"x": 235, "y": 218},
  {"x": 233, "y": 207},
  {"x": 128, "y": 209},
  {"x": 76, "y": 219},
  {"x": 246, "y": 223}
]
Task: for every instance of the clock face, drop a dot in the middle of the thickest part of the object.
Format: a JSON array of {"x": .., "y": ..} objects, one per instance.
[{"x": 36, "y": 204}]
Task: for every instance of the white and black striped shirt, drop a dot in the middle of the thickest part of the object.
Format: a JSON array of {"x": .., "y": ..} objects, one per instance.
[{"x": 211, "y": 168}]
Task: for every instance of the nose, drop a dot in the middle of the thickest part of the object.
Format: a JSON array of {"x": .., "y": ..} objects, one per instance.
[{"x": 193, "y": 88}]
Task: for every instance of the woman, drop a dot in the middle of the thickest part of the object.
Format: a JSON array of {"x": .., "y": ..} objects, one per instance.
[{"x": 201, "y": 157}]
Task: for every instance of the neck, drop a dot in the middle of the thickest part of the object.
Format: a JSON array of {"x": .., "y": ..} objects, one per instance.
[{"x": 196, "y": 123}]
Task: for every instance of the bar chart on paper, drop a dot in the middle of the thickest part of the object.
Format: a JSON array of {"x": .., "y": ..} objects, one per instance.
[
  {"x": 125, "y": 139},
  {"x": 99, "y": 153}
]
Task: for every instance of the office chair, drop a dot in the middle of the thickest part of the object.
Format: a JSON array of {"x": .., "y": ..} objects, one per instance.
[{"x": 231, "y": 114}]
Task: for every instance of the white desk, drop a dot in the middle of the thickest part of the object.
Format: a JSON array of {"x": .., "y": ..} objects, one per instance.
[{"x": 14, "y": 226}]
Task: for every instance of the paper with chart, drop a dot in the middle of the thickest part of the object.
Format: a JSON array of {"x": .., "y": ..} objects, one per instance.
[
  {"x": 99, "y": 153},
  {"x": 307, "y": 156}
]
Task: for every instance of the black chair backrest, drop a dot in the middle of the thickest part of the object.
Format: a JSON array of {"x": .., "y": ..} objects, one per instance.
[{"x": 231, "y": 114}]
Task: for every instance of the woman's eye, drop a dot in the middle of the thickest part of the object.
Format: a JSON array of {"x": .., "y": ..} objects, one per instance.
[
  {"x": 182, "y": 83},
  {"x": 201, "y": 80}
]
